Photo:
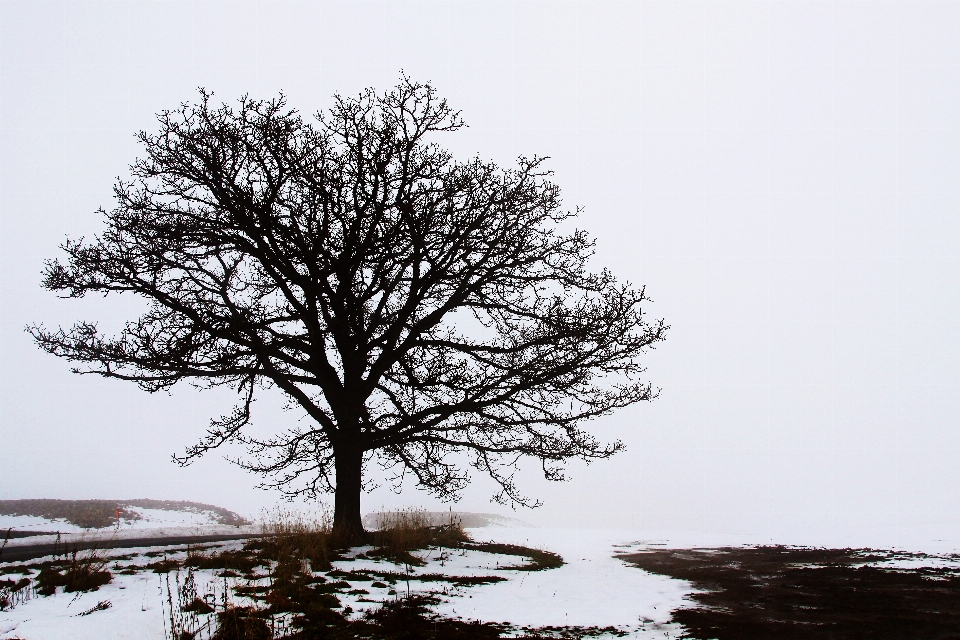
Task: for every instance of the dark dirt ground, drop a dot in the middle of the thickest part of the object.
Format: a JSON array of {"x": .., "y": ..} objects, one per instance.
[{"x": 788, "y": 593}]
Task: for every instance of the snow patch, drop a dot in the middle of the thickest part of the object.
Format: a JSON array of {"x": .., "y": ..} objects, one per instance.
[
  {"x": 36, "y": 523},
  {"x": 592, "y": 589}
]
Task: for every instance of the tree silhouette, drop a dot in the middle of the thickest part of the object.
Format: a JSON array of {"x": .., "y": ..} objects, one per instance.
[{"x": 410, "y": 304}]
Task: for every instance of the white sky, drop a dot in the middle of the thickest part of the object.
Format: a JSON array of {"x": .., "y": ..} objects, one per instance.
[{"x": 783, "y": 177}]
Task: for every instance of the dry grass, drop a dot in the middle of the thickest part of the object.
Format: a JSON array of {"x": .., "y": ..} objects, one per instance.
[
  {"x": 82, "y": 571},
  {"x": 401, "y": 532},
  {"x": 290, "y": 536},
  {"x": 241, "y": 623},
  {"x": 228, "y": 560},
  {"x": 14, "y": 592},
  {"x": 539, "y": 559}
]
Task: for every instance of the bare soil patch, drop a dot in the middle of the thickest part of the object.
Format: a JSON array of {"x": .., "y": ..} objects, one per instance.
[{"x": 786, "y": 593}]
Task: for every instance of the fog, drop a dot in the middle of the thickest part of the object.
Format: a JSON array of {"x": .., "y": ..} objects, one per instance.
[{"x": 784, "y": 178}]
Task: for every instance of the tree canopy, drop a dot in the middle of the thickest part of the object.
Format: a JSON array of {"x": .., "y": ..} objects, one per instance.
[{"x": 410, "y": 304}]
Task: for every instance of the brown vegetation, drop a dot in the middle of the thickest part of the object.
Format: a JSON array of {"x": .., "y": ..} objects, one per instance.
[
  {"x": 12, "y": 592},
  {"x": 467, "y": 520},
  {"x": 539, "y": 559},
  {"x": 290, "y": 535},
  {"x": 81, "y": 571},
  {"x": 89, "y": 514},
  {"x": 404, "y": 531},
  {"x": 241, "y": 623}
]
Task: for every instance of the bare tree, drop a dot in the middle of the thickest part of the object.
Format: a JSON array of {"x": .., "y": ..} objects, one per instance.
[{"x": 411, "y": 304}]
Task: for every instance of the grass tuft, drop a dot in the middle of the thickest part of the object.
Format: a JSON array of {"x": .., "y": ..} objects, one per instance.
[
  {"x": 241, "y": 623},
  {"x": 294, "y": 539},
  {"x": 408, "y": 530},
  {"x": 83, "y": 571},
  {"x": 410, "y": 618},
  {"x": 539, "y": 559},
  {"x": 231, "y": 560}
]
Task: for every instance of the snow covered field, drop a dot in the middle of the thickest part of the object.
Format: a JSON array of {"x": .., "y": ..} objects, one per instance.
[
  {"x": 152, "y": 522},
  {"x": 35, "y": 523},
  {"x": 591, "y": 589}
]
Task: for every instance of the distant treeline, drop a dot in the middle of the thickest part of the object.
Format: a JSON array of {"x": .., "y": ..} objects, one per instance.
[{"x": 97, "y": 514}]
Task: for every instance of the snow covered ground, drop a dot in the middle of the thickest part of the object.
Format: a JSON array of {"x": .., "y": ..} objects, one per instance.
[
  {"x": 35, "y": 523},
  {"x": 152, "y": 523},
  {"x": 135, "y": 612},
  {"x": 133, "y": 533},
  {"x": 592, "y": 589},
  {"x": 156, "y": 523}
]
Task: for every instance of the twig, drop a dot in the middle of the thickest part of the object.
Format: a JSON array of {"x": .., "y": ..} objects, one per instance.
[{"x": 103, "y": 605}]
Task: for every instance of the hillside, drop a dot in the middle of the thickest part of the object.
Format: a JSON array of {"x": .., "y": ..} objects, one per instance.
[{"x": 99, "y": 514}]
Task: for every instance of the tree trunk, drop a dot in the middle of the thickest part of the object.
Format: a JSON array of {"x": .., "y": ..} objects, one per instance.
[{"x": 347, "y": 525}]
